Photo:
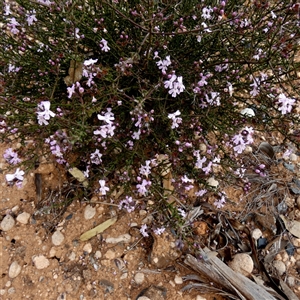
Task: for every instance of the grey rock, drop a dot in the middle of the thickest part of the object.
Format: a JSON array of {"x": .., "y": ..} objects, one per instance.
[{"x": 107, "y": 286}]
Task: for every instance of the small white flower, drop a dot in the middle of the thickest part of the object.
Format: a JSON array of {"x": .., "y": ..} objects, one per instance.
[
  {"x": 103, "y": 189},
  {"x": 19, "y": 175}
]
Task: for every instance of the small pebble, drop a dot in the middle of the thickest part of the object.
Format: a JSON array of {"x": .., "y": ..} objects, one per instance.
[
  {"x": 279, "y": 266},
  {"x": 291, "y": 281},
  {"x": 52, "y": 252},
  {"x": 23, "y": 218},
  {"x": 57, "y": 238},
  {"x": 198, "y": 297},
  {"x": 98, "y": 254},
  {"x": 40, "y": 262},
  {"x": 87, "y": 248},
  {"x": 293, "y": 157},
  {"x": 7, "y": 223},
  {"x": 14, "y": 270},
  {"x": 89, "y": 212},
  {"x": 143, "y": 298},
  {"x": 212, "y": 182},
  {"x": 11, "y": 290},
  {"x": 242, "y": 263},
  {"x": 72, "y": 256},
  {"x": 178, "y": 279},
  {"x": 256, "y": 233},
  {"x": 139, "y": 278},
  {"x": 110, "y": 254}
]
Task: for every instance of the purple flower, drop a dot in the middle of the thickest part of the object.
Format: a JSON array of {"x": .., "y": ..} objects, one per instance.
[
  {"x": 104, "y": 46},
  {"x": 163, "y": 64},
  {"x": 146, "y": 170},
  {"x": 103, "y": 189},
  {"x": 11, "y": 156},
  {"x": 128, "y": 204},
  {"x": 71, "y": 90},
  {"x": 96, "y": 157},
  {"x": 159, "y": 231},
  {"x": 200, "y": 193},
  {"x": 286, "y": 104},
  {"x": 143, "y": 230},
  {"x": 30, "y": 18},
  {"x": 176, "y": 120},
  {"x": 221, "y": 202},
  {"x": 44, "y": 113},
  {"x": 206, "y": 13},
  {"x": 143, "y": 187},
  {"x": 18, "y": 175}
]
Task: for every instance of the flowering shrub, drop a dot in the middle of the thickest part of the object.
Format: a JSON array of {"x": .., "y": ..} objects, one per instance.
[{"x": 119, "y": 84}]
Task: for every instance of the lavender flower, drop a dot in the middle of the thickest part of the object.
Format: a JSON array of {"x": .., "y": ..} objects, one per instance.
[
  {"x": 18, "y": 176},
  {"x": 143, "y": 230},
  {"x": 11, "y": 157},
  {"x": 176, "y": 120},
  {"x": 44, "y": 113},
  {"x": 286, "y": 104},
  {"x": 127, "y": 204},
  {"x": 103, "y": 189}
]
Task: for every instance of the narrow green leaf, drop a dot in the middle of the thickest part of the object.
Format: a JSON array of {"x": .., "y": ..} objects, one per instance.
[{"x": 98, "y": 229}]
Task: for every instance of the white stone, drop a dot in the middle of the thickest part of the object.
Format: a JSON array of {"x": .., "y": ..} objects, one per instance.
[
  {"x": 7, "y": 223},
  {"x": 23, "y": 218},
  {"x": 256, "y": 233},
  {"x": 248, "y": 112},
  {"x": 40, "y": 262},
  {"x": 242, "y": 263},
  {"x": 248, "y": 150},
  {"x": 52, "y": 252},
  {"x": 139, "y": 278},
  {"x": 212, "y": 182},
  {"x": 143, "y": 298},
  {"x": 14, "y": 270},
  {"x": 87, "y": 248},
  {"x": 198, "y": 297},
  {"x": 125, "y": 238},
  {"x": 72, "y": 256},
  {"x": 110, "y": 254},
  {"x": 89, "y": 212},
  {"x": 98, "y": 254},
  {"x": 279, "y": 266},
  {"x": 293, "y": 157},
  {"x": 15, "y": 209},
  {"x": 291, "y": 281},
  {"x": 178, "y": 279},
  {"x": 142, "y": 212},
  {"x": 57, "y": 238}
]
